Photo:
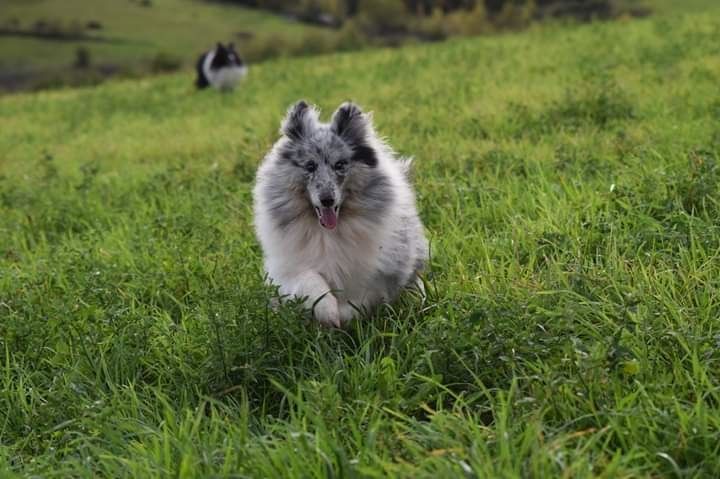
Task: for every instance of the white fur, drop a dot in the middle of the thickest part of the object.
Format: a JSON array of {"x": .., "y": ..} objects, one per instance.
[{"x": 336, "y": 270}]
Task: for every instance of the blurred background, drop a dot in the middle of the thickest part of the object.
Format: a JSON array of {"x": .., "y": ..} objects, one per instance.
[{"x": 53, "y": 43}]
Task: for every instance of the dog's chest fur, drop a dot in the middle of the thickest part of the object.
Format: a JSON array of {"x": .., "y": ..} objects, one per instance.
[{"x": 347, "y": 257}]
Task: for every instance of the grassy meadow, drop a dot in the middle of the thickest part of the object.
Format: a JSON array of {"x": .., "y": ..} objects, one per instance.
[
  {"x": 167, "y": 34},
  {"x": 569, "y": 180}
]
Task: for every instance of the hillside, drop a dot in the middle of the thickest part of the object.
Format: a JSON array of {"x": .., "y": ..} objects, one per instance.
[
  {"x": 568, "y": 178},
  {"x": 50, "y": 44},
  {"x": 126, "y": 35}
]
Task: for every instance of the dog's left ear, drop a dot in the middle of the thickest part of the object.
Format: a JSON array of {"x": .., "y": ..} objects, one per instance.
[
  {"x": 350, "y": 123},
  {"x": 353, "y": 126}
]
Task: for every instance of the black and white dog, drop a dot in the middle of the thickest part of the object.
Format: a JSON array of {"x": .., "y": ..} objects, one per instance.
[{"x": 221, "y": 68}]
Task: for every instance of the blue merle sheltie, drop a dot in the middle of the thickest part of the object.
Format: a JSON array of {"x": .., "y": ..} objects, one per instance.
[{"x": 335, "y": 215}]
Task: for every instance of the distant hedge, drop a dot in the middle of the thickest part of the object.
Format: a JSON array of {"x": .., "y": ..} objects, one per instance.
[
  {"x": 437, "y": 19},
  {"x": 343, "y": 9}
]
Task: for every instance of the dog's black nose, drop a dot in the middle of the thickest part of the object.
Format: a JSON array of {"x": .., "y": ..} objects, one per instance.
[{"x": 327, "y": 201}]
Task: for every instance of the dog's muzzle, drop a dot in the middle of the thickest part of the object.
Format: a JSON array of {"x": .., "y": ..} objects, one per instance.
[{"x": 328, "y": 216}]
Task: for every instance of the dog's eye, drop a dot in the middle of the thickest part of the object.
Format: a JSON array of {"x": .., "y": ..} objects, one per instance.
[
  {"x": 340, "y": 165},
  {"x": 310, "y": 166}
]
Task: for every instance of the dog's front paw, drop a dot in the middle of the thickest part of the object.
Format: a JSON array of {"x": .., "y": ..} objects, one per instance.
[
  {"x": 346, "y": 311},
  {"x": 326, "y": 311}
]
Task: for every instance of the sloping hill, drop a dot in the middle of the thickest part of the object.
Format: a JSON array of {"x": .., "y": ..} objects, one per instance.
[
  {"x": 42, "y": 37},
  {"x": 568, "y": 178}
]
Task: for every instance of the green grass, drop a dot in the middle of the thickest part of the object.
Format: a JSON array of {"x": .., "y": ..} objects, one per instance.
[
  {"x": 569, "y": 181},
  {"x": 180, "y": 28}
]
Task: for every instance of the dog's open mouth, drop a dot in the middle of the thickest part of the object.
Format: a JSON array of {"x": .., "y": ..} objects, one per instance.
[{"x": 328, "y": 216}]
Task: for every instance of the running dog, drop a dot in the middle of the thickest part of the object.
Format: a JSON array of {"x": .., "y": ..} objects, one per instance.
[{"x": 335, "y": 215}]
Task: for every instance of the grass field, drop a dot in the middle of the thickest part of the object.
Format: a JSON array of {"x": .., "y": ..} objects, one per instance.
[
  {"x": 569, "y": 181},
  {"x": 136, "y": 38},
  {"x": 133, "y": 35}
]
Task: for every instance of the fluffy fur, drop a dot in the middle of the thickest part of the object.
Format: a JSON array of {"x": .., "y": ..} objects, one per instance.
[
  {"x": 335, "y": 215},
  {"x": 221, "y": 68}
]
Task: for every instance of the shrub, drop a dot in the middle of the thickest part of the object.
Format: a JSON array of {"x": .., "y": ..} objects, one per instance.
[
  {"x": 432, "y": 27},
  {"x": 165, "y": 62},
  {"x": 350, "y": 37},
  {"x": 82, "y": 58},
  {"x": 263, "y": 47},
  {"x": 381, "y": 16},
  {"x": 313, "y": 43},
  {"x": 325, "y": 12},
  {"x": 12, "y": 23},
  {"x": 472, "y": 22},
  {"x": 514, "y": 16}
]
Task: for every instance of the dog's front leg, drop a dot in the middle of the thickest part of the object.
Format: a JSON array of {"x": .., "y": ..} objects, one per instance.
[{"x": 319, "y": 299}]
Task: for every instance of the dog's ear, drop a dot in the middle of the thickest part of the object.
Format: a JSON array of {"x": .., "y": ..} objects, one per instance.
[
  {"x": 353, "y": 126},
  {"x": 350, "y": 123},
  {"x": 299, "y": 121}
]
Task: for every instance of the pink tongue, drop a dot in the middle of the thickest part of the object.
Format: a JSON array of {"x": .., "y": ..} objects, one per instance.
[{"x": 328, "y": 218}]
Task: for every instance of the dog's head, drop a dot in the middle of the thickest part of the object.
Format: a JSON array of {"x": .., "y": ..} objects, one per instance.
[
  {"x": 331, "y": 163},
  {"x": 226, "y": 56}
]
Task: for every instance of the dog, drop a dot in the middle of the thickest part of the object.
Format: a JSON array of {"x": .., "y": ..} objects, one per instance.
[
  {"x": 221, "y": 68},
  {"x": 335, "y": 215}
]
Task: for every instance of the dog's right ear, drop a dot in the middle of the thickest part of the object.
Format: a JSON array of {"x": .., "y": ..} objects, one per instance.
[{"x": 299, "y": 121}]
